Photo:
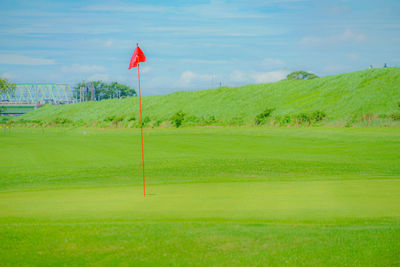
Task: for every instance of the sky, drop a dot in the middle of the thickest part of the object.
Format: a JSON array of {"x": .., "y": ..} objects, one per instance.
[{"x": 192, "y": 45}]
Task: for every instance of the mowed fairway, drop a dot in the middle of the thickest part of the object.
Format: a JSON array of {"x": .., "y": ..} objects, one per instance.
[{"x": 216, "y": 196}]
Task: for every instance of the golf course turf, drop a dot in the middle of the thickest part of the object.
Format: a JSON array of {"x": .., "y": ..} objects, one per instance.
[{"x": 218, "y": 196}]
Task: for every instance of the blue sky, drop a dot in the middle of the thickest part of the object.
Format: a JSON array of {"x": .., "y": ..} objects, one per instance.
[{"x": 194, "y": 45}]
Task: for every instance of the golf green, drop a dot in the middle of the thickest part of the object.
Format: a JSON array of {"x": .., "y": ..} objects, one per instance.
[{"x": 215, "y": 196}]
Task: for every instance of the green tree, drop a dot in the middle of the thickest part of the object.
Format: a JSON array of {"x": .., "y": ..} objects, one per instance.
[
  {"x": 178, "y": 118},
  {"x": 105, "y": 90},
  {"x": 301, "y": 75},
  {"x": 6, "y": 86}
]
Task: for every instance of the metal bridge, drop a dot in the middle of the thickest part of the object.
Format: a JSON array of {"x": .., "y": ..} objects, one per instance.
[
  {"x": 28, "y": 96},
  {"x": 39, "y": 93}
]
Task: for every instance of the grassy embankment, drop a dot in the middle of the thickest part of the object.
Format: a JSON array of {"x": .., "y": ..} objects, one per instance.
[
  {"x": 216, "y": 196},
  {"x": 363, "y": 98}
]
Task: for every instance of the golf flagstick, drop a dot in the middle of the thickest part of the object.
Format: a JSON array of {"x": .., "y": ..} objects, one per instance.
[
  {"x": 138, "y": 56},
  {"x": 141, "y": 129}
]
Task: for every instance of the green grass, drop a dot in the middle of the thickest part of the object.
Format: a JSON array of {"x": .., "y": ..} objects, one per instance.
[
  {"x": 347, "y": 99},
  {"x": 216, "y": 196}
]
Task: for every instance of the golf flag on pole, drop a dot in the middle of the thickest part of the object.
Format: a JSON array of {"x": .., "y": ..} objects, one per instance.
[{"x": 138, "y": 56}]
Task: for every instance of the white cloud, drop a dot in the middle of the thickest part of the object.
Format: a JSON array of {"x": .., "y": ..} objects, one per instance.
[
  {"x": 78, "y": 68},
  {"x": 98, "y": 77},
  {"x": 351, "y": 36},
  {"x": 145, "y": 69},
  {"x": 108, "y": 43},
  {"x": 348, "y": 36},
  {"x": 269, "y": 77},
  {"x": 352, "y": 56},
  {"x": 311, "y": 40},
  {"x": 222, "y": 10},
  {"x": 24, "y": 60},
  {"x": 239, "y": 77},
  {"x": 336, "y": 68},
  {"x": 126, "y": 8},
  {"x": 7, "y": 75},
  {"x": 272, "y": 62},
  {"x": 203, "y": 61},
  {"x": 56, "y": 28},
  {"x": 212, "y": 30},
  {"x": 190, "y": 79}
]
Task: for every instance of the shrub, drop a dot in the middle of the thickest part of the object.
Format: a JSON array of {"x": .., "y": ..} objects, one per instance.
[
  {"x": 383, "y": 116},
  {"x": 146, "y": 120},
  {"x": 4, "y": 119},
  {"x": 192, "y": 120},
  {"x": 178, "y": 118},
  {"x": 368, "y": 117},
  {"x": 109, "y": 118},
  {"x": 236, "y": 121},
  {"x": 395, "y": 116},
  {"x": 59, "y": 120},
  {"x": 118, "y": 119},
  {"x": 262, "y": 117},
  {"x": 157, "y": 123},
  {"x": 79, "y": 123},
  {"x": 303, "y": 118},
  {"x": 210, "y": 120},
  {"x": 286, "y": 119},
  {"x": 317, "y": 116},
  {"x": 132, "y": 118}
]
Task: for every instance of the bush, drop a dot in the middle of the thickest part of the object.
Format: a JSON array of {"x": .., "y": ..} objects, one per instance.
[
  {"x": 178, "y": 118},
  {"x": 118, "y": 119},
  {"x": 303, "y": 118},
  {"x": 4, "y": 119},
  {"x": 157, "y": 123},
  {"x": 192, "y": 120},
  {"x": 286, "y": 119},
  {"x": 79, "y": 123},
  {"x": 317, "y": 116},
  {"x": 146, "y": 120},
  {"x": 395, "y": 116},
  {"x": 132, "y": 118},
  {"x": 262, "y": 117},
  {"x": 236, "y": 121},
  {"x": 109, "y": 118},
  {"x": 59, "y": 120}
]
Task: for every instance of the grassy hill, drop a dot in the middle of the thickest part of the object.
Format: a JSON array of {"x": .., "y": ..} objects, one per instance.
[{"x": 357, "y": 97}]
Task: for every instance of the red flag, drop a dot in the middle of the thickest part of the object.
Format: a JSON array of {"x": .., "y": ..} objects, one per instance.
[{"x": 138, "y": 56}]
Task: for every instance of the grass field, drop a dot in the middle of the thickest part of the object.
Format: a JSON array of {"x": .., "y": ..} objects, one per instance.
[
  {"x": 216, "y": 196},
  {"x": 369, "y": 97}
]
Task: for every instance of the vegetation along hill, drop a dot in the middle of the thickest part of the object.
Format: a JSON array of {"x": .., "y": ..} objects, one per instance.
[{"x": 363, "y": 97}]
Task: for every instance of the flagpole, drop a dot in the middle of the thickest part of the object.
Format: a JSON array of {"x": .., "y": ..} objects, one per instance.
[{"x": 141, "y": 128}]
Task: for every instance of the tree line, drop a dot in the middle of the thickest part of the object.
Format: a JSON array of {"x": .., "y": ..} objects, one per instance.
[{"x": 104, "y": 90}]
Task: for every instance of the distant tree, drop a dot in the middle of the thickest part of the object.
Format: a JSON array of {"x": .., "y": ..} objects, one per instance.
[
  {"x": 301, "y": 75},
  {"x": 6, "y": 86},
  {"x": 105, "y": 90},
  {"x": 178, "y": 118}
]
